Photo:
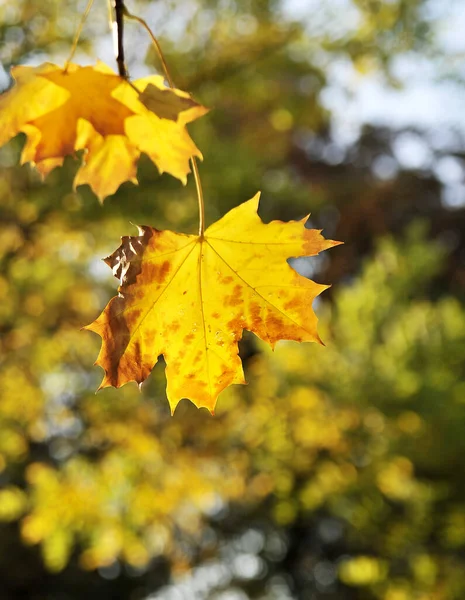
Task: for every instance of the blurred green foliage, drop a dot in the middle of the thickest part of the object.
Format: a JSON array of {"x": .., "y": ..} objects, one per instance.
[{"x": 336, "y": 473}]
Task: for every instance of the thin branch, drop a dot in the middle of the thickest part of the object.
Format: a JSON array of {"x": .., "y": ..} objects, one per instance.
[
  {"x": 155, "y": 42},
  {"x": 118, "y": 5},
  {"x": 78, "y": 34}
]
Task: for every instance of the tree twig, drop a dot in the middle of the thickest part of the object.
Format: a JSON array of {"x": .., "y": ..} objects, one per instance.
[
  {"x": 78, "y": 34},
  {"x": 118, "y": 5}
]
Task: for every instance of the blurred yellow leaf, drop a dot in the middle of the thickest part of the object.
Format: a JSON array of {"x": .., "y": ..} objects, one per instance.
[
  {"x": 362, "y": 570},
  {"x": 93, "y": 109},
  {"x": 13, "y": 503}
]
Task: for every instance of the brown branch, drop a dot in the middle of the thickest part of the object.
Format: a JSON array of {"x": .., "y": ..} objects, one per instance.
[{"x": 118, "y": 5}]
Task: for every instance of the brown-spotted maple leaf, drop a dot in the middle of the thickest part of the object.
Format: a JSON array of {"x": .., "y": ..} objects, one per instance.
[
  {"x": 189, "y": 298},
  {"x": 93, "y": 109}
]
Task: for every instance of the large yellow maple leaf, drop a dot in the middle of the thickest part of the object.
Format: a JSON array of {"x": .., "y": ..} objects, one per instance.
[
  {"x": 92, "y": 108},
  {"x": 189, "y": 298}
]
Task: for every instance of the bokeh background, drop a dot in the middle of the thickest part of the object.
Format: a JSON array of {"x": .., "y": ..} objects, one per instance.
[{"x": 338, "y": 472}]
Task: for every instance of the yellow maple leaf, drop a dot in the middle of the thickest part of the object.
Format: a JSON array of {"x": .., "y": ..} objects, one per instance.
[
  {"x": 92, "y": 108},
  {"x": 190, "y": 297}
]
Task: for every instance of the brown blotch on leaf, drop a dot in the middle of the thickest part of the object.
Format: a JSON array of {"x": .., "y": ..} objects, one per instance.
[
  {"x": 274, "y": 325},
  {"x": 235, "y": 298},
  {"x": 131, "y": 318},
  {"x": 118, "y": 368},
  {"x": 173, "y": 327},
  {"x": 188, "y": 338},
  {"x": 164, "y": 270},
  {"x": 149, "y": 338},
  {"x": 156, "y": 273},
  {"x": 227, "y": 280},
  {"x": 255, "y": 316},
  {"x": 175, "y": 365},
  {"x": 292, "y": 303},
  {"x": 234, "y": 325}
]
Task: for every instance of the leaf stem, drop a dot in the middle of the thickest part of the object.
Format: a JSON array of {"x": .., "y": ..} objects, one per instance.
[
  {"x": 198, "y": 187},
  {"x": 78, "y": 34},
  {"x": 169, "y": 79},
  {"x": 155, "y": 42}
]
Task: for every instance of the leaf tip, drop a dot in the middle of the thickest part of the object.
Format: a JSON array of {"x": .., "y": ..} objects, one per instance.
[
  {"x": 103, "y": 384},
  {"x": 319, "y": 340},
  {"x": 254, "y": 202},
  {"x": 335, "y": 243}
]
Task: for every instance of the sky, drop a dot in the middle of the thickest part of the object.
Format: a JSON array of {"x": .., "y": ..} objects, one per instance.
[{"x": 429, "y": 97}]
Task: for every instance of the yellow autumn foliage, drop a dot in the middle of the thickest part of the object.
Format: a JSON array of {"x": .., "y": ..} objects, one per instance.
[{"x": 63, "y": 110}]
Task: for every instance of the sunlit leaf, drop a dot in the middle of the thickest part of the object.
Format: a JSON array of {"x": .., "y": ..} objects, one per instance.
[
  {"x": 190, "y": 298},
  {"x": 93, "y": 109}
]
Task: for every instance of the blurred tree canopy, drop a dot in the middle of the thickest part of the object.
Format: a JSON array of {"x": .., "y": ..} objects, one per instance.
[{"x": 335, "y": 474}]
